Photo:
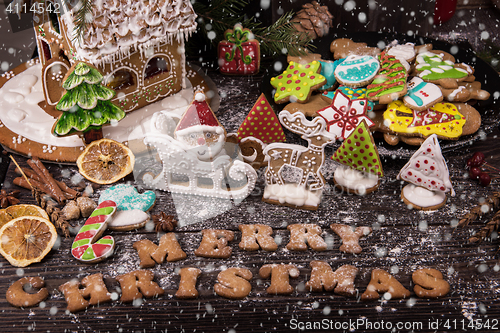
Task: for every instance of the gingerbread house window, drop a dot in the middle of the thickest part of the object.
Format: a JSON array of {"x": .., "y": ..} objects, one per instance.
[
  {"x": 46, "y": 50},
  {"x": 121, "y": 79},
  {"x": 156, "y": 66}
]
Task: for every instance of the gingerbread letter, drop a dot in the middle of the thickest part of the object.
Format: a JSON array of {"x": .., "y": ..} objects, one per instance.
[
  {"x": 299, "y": 233},
  {"x": 322, "y": 276},
  {"x": 255, "y": 236},
  {"x": 384, "y": 282},
  {"x": 233, "y": 283},
  {"x": 279, "y": 277},
  {"x": 77, "y": 297},
  {"x": 214, "y": 244},
  {"x": 151, "y": 254},
  {"x": 350, "y": 237},
  {"x": 187, "y": 286},
  {"x": 137, "y": 284},
  {"x": 16, "y": 295},
  {"x": 429, "y": 283}
]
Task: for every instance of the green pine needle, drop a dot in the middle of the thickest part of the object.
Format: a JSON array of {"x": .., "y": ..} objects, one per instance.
[{"x": 80, "y": 18}]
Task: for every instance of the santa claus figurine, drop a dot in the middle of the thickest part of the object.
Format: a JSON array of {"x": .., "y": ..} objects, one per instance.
[{"x": 200, "y": 131}]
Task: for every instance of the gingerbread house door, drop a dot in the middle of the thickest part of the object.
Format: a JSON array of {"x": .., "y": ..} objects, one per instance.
[{"x": 52, "y": 75}]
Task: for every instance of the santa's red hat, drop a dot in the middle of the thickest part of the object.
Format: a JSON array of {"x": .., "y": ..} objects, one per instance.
[{"x": 198, "y": 117}]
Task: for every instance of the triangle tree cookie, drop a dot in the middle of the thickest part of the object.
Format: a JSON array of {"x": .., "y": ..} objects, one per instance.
[
  {"x": 262, "y": 123},
  {"x": 260, "y": 127},
  {"x": 361, "y": 168},
  {"x": 428, "y": 175}
]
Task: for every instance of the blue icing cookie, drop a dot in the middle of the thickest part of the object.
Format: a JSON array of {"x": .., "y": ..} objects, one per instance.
[
  {"x": 356, "y": 70},
  {"x": 327, "y": 70},
  {"x": 127, "y": 197},
  {"x": 352, "y": 93}
]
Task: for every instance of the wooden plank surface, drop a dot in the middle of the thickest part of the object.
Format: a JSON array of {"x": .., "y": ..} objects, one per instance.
[{"x": 402, "y": 241}]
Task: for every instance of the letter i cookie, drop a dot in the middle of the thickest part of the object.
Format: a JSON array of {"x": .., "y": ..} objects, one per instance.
[{"x": 85, "y": 247}]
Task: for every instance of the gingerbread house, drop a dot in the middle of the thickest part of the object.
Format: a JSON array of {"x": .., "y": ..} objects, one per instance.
[{"x": 137, "y": 45}]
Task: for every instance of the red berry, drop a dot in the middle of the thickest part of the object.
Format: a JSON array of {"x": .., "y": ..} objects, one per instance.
[
  {"x": 477, "y": 160},
  {"x": 474, "y": 173},
  {"x": 479, "y": 156},
  {"x": 484, "y": 179}
]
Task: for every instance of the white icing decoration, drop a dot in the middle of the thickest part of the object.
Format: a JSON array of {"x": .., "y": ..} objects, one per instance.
[
  {"x": 24, "y": 91},
  {"x": 437, "y": 70},
  {"x": 422, "y": 197},
  {"x": 428, "y": 168},
  {"x": 180, "y": 159},
  {"x": 200, "y": 128},
  {"x": 445, "y": 67},
  {"x": 424, "y": 73},
  {"x": 354, "y": 179},
  {"x": 123, "y": 218},
  {"x": 454, "y": 93},
  {"x": 17, "y": 115},
  {"x": 199, "y": 97},
  {"x": 13, "y": 97},
  {"x": 428, "y": 93},
  {"x": 34, "y": 98},
  {"x": 121, "y": 27},
  {"x": 292, "y": 194},
  {"x": 403, "y": 52}
]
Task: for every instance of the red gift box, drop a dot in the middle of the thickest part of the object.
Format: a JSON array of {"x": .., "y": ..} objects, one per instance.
[{"x": 239, "y": 55}]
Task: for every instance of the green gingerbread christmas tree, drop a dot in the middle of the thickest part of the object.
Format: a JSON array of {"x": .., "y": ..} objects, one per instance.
[
  {"x": 358, "y": 151},
  {"x": 86, "y": 105}
]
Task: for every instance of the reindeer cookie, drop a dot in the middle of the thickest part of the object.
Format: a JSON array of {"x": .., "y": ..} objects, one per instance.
[{"x": 302, "y": 194}]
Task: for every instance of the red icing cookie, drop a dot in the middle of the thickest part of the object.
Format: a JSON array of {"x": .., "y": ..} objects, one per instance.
[{"x": 262, "y": 123}]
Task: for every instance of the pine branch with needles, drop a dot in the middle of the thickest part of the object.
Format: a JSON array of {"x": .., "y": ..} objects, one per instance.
[{"x": 280, "y": 37}]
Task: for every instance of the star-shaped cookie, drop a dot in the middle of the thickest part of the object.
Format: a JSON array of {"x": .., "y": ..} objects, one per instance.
[{"x": 297, "y": 82}]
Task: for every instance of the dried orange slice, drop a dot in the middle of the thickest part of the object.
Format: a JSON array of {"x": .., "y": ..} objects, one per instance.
[
  {"x": 27, "y": 239},
  {"x": 105, "y": 161},
  {"x": 16, "y": 211}
]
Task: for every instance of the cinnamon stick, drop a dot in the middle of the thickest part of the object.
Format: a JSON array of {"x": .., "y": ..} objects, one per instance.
[
  {"x": 21, "y": 182},
  {"x": 69, "y": 192},
  {"x": 50, "y": 182}
]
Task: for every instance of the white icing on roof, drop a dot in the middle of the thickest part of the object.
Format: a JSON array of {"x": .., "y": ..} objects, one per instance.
[{"x": 120, "y": 27}]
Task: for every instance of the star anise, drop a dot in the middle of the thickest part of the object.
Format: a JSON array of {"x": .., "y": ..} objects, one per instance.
[
  {"x": 8, "y": 198},
  {"x": 164, "y": 222}
]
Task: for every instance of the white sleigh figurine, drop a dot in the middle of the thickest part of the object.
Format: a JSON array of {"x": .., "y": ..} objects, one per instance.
[
  {"x": 308, "y": 160},
  {"x": 193, "y": 155}
]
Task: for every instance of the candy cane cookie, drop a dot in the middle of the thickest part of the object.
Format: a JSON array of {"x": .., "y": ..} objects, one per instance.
[{"x": 85, "y": 247}]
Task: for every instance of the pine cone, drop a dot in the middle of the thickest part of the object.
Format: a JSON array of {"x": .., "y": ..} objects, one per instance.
[{"x": 313, "y": 19}]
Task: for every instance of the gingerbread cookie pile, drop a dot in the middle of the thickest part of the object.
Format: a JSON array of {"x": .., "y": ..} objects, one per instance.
[{"x": 409, "y": 92}]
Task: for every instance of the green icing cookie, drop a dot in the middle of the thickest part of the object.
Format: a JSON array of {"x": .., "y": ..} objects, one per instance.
[
  {"x": 359, "y": 152},
  {"x": 433, "y": 67},
  {"x": 297, "y": 82},
  {"x": 390, "y": 79}
]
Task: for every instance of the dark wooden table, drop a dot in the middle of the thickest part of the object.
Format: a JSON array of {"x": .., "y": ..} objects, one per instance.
[{"x": 402, "y": 241}]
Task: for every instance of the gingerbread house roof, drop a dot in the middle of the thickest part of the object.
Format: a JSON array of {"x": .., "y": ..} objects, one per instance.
[{"x": 121, "y": 26}]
